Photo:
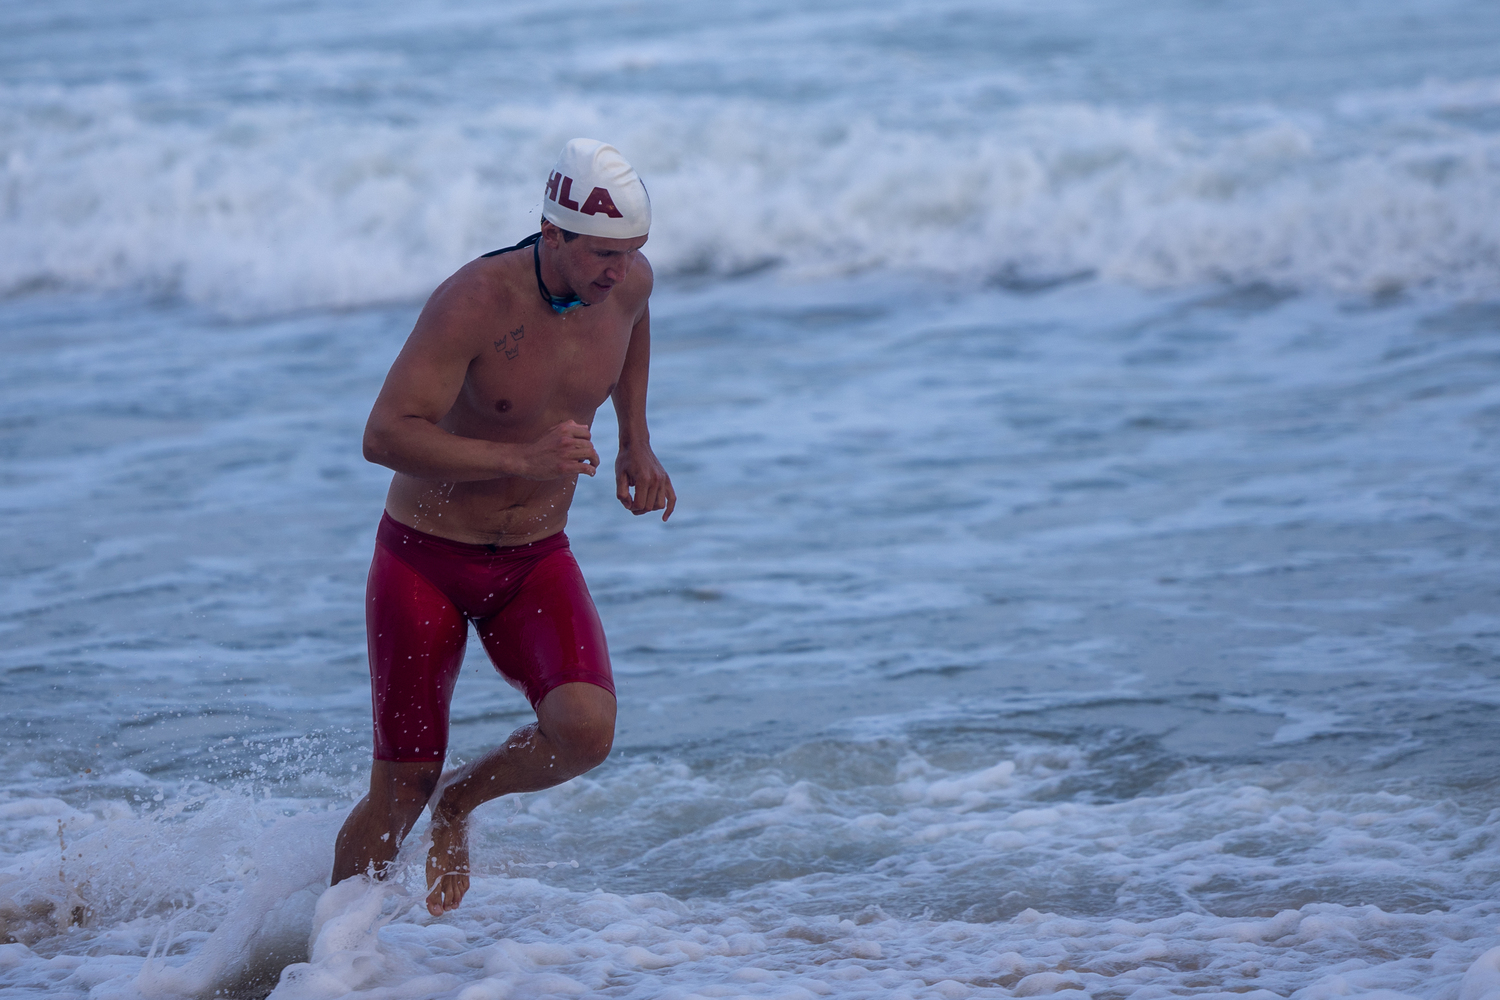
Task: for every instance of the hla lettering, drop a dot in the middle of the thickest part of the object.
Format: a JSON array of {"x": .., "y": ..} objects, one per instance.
[{"x": 597, "y": 201}]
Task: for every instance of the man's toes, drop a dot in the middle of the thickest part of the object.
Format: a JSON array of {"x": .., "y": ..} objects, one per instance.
[
  {"x": 437, "y": 899},
  {"x": 458, "y": 886},
  {"x": 447, "y": 894}
]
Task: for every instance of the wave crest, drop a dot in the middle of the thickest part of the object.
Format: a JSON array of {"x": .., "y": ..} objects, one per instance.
[{"x": 275, "y": 207}]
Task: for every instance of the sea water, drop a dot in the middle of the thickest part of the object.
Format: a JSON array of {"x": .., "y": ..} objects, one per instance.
[{"x": 1085, "y": 420}]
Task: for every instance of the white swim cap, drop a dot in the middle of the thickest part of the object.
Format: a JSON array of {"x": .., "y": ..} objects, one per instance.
[{"x": 592, "y": 190}]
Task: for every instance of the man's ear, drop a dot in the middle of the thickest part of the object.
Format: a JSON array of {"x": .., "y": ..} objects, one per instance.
[{"x": 551, "y": 235}]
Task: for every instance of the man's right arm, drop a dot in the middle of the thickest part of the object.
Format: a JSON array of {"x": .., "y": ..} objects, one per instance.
[{"x": 402, "y": 433}]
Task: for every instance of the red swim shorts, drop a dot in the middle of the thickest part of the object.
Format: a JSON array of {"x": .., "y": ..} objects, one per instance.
[{"x": 528, "y": 603}]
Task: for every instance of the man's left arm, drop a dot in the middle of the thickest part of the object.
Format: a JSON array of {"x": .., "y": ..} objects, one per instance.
[{"x": 636, "y": 467}]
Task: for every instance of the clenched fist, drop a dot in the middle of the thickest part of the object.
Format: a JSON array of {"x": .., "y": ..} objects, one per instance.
[
  {"x": 565, "y": 450},
  {"x": 637, "y": 468}
]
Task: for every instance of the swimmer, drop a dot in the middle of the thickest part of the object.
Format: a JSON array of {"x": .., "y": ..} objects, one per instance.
[{"x": 485, "y": 419}]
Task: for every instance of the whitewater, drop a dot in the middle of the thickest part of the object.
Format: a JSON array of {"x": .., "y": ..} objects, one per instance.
[{"x": 1085, "y": 419}]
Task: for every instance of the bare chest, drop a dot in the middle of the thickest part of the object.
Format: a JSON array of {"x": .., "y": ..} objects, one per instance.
[{"x": 536, "y": 371}]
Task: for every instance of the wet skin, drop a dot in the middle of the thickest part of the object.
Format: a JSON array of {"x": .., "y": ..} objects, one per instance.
[{"x": 485, "y": 419}]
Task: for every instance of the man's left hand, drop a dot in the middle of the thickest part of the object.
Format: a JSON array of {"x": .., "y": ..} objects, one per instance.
[{"x": 637, "y": 470}]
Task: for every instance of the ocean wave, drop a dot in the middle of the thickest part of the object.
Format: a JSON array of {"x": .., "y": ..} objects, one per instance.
[
  {"x": 837, "y": 869},
  {"x": 274, "y": 207}
]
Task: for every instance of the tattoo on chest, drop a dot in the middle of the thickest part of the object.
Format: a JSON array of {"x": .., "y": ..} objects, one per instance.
[{"x": 511, "y": 343}]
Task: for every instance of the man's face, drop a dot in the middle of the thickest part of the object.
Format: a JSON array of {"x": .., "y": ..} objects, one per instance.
[{"x": 591, "y": 265}]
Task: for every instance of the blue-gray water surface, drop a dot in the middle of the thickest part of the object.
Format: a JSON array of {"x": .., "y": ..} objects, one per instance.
[{"x": 1085, "y": 421}]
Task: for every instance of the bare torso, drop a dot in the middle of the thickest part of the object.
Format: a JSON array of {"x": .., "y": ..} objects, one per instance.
[{"x": 530, "y": 369}]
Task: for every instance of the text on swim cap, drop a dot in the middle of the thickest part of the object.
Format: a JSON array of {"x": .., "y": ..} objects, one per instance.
[{"x": 597, "y": 201}]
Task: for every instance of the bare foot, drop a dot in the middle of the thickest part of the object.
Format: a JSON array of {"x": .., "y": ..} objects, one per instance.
[{"x": 447, "y": 865}]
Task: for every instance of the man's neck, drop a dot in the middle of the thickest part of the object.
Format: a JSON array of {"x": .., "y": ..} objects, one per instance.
[{"x": 551, "y": 277}]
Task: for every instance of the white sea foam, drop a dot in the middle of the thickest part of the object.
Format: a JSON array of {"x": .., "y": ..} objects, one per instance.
[
  {"x": 896, "y": 876},
  {"x": 273, "y": 208},
  {"x": 225, "y": 880}
]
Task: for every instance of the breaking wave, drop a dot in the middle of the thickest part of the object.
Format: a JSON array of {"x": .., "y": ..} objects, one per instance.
[{"x": 274, "y": 207}]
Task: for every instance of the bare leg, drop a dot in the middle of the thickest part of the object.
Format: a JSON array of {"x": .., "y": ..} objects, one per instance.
[
  {"x": 574, "y": 731},
  {"x": 376, "y": 826}
]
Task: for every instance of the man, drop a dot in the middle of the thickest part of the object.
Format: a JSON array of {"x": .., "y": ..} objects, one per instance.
[{"x": 485, "y": 419}]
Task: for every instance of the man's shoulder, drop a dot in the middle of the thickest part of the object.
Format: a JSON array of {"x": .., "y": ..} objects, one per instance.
[
  {"x": 475, "y": 295},
  {"x": 639, "y": 283},
  {"x": 643, "y": 266}
]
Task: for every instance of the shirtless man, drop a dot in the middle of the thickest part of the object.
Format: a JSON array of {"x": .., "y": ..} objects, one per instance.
[{"x": 485, "y": 420}]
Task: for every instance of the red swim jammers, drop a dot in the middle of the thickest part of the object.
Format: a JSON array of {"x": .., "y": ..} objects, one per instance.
[{"x": 528, "y": 603}]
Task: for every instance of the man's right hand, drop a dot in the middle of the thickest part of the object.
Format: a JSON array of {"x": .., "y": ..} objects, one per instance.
[{"x": 565, "y": 450}]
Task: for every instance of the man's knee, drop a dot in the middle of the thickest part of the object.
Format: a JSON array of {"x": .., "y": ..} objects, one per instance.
[
  {"x": 579, "y": 720},
  {"x": 585, "y": 742}
]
